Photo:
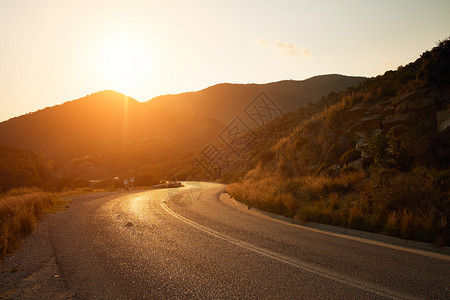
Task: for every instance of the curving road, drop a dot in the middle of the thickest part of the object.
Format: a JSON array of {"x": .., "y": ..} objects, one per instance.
[{"x": 186, "y": 243}]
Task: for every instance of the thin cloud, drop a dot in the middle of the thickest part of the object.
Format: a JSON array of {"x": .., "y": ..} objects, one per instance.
[
  {"x": 286, "y": 48},
  {"x": 263, "y": 42}
]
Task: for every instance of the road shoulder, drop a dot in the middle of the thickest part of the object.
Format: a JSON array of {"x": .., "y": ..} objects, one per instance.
[{"x": 32, "y": 272}]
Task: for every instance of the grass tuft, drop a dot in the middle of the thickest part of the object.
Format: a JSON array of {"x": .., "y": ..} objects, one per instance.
[{"x": 20, "y": 209}]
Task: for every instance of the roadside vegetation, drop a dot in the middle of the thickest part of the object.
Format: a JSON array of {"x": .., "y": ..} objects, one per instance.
[
  {"x": 413, "y": 205},
  {"x": 20, "y": 209}
]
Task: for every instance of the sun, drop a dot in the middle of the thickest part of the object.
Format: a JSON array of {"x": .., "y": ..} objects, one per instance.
[
  {"x": 121, "y": 59},
  {"x": 124, "y": 62}
]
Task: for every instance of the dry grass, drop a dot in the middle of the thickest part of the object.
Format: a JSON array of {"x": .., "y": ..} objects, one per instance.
[
  {"x": 20, "y": 209},
  {"x": 414, "y": 205},
  {"x": 391, "y": 226}
]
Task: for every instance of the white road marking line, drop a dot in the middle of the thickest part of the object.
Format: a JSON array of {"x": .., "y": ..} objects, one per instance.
[{"x": 327, "y": 273}]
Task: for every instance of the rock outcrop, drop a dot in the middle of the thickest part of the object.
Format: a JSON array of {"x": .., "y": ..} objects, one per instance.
[
  {"x": 443, "y": 121},
  {"x": 398, "y": 115}
]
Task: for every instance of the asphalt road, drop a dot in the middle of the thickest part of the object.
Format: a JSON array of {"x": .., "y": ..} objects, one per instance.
[{"x": 185, "y": 243}]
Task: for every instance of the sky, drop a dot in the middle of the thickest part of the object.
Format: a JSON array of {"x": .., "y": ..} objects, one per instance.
[{"x": 53, "y": 51}]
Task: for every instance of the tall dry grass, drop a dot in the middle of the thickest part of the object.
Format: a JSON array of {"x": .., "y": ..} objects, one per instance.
[
  {"x": 20, "y": 209},
  {"x": 413, "y": 205}
]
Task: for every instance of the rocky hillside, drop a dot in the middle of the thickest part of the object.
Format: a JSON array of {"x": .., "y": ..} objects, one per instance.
[
  {"x": 403, "y": 106},
  {"x": 375, "y": 157}
]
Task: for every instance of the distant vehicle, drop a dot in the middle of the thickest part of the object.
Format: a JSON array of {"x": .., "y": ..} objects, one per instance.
[{"x": 167, "y": 185}]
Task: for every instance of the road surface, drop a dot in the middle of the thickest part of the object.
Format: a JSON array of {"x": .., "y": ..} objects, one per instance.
[{"x": 185, "y": 243}]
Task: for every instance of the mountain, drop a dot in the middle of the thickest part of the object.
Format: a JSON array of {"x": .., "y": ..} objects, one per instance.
[
  {"x": 108, "y": 133},
  {"x": 101, "y": 123},
  {"x": 225, "y": 101}
]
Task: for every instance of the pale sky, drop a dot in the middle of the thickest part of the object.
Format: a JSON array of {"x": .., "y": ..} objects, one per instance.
[{"x": 53, "y": 51}]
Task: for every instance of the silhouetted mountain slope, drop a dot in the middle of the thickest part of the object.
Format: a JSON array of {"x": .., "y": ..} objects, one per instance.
[
  {"x": 104, "y": 122},
  {"x": 110, "y": 132},
  {"x": 225, "y": 101}
]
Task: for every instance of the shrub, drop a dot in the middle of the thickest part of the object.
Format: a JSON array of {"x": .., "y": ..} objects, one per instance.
[
  {"x": 349, "y": 156},
  {"x": 387, "y": 151},
  {"x": 435, "y": 65}
]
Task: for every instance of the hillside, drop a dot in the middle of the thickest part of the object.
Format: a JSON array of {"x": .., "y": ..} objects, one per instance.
[
  {"x": 106, "y": 133},
  {"x": 375, "y": 157},
  {"x": 411, "y": 104},
  {"x": 113, "y": 132},
  {"x": 22, "y": 168}
]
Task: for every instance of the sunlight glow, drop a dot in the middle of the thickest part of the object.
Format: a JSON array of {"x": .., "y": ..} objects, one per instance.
[
  {"x": 54, "y": 51},
  {"x": 124, "y": 63}
]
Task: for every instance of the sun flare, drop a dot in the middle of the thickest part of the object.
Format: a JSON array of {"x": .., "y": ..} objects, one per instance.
[{"x": 124, "y": 63}]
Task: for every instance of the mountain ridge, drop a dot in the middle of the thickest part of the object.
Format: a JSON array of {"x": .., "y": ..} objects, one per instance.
[
  {"x": 285, "y": 93},
  {"x": 106, "y": 120}
]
